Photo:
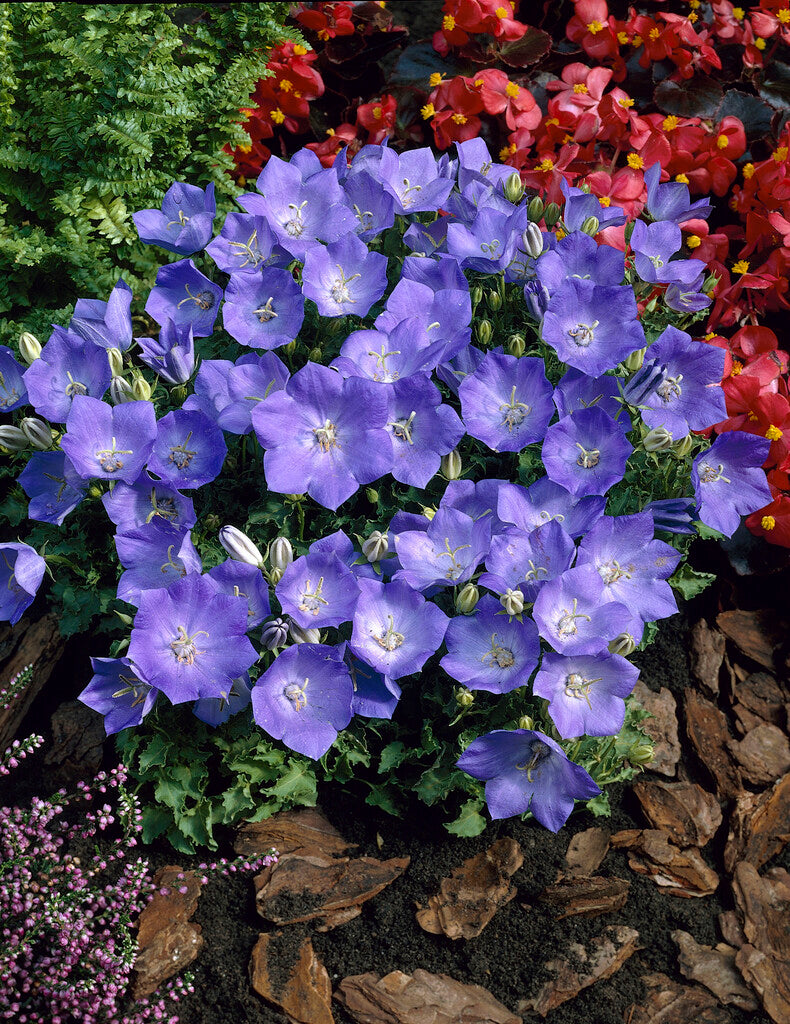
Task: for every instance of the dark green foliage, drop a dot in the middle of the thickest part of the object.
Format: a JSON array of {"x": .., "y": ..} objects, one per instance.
[{"x": 102, "y": 107}]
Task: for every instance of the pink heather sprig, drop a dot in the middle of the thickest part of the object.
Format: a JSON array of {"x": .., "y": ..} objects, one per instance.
[
  {"x": 15, "y": 688},
  {"x": 17, "y": 752}
]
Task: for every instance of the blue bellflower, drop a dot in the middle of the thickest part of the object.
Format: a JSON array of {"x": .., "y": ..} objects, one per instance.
[
  {"x": 21, "y": 573},
  {"x": 247, "y": 581},
  {"x": 148, "y": 501},
  {"x": 13, "y": 393},
  {"x": 344, "y": 277},
  {"x": 186, "y": 296},
  {"x": 245, "y": 245},
  {"x": 422, "y": 429},
  {"x": 318, "y": 590},
  {"x": 67, "y": 367},
  {"x": 172, "y": 354},
  {"x": 265, "y": 310},
  {"x": 106, "y": 324},
  {"x": 544, "y": 501},
  {"x": 109, "y": 443},
  {"x": 728, "y": 481},
  {"x": 185, "y": 221},
  {"x": 118, "y": 693},
  {"x": 586, "y": 692},
  {"x": 154, "y": 555},
  {"x": 446, "y": 554},
  {"x": 189, "y": 450},
  {"x": 586, "y": 452},
  {"x": 573, "y": 617},
  {"x": 53, "y": 485},
  {"x": 526, "y": 561}
]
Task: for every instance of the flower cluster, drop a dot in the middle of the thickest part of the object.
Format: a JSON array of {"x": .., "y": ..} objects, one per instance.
[{"x": 370, "y": 266}]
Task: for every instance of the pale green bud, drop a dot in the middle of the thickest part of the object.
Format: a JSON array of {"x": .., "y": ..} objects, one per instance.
[
  {"x": 115, "y": 359},
  {"x": 95, "y": 491},
  {"x": 623, "y": 644},
  {"x": 551, "y": 215},
  {"x": 428, "y": 512},
  {"x": 314, "y": 355},
  {"x": 13, "y": 439},
  {"x": 641, "y": 752},
  {"x": 512, "y": 601},
  {"x": 239, "y": 546},
  {"x": 513, "y": 188},
  {"x": 532, "y": 240},
  {"x": 275, "y": 575},
  {"x": 494, "y": 301},
  {"x": 212, "y": 522},
  {"x": 484, "y": 331},
  {"x": 535, "y": 209},
  {"x": 29, "y": 347},
  {"x": 281, "y": 554},
  {"x": 451, "y": 465},
  {"x": 525, "y": 722},
  {"x": 38, "y": 433},
  {"x": 634, "y": 361},
  {"x": 466, "y": 601},
  {"x": 590, "y": 226},
  {"x": 295, "y": 497},
  {"x": 303, "y": 636},
  {"x": 178, "y": 393},
  {"x": 681, "y": 448},
  {"x": 141, "y": 390},
  {"x": 290, "y": 348},
  {"x": 120, "y": 391},
  {"x": 376, "y": 546},
  {"x": 464, "y": 698},
  {"x": 127, "y": 620},
  {"x": 372, "y": 495},
  {"x": 516, "y": 345},
  {"x": 657, "y": 440},
  {"x": 476, "y": 295}
]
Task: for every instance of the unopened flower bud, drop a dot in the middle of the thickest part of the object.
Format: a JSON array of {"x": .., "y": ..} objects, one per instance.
[
  {"x": 212, "y": 522},
  {"x": 290, "y": 348},
  {"x": 29, "y": 347},
  {"x": 512, "y": 601},
  {"x": 476, "y": 295},
  {"x": 178, "y": 393},
  {"x": 239, "y": 546},
  {"x": 641, "y": 752},
  {"x": 516, "y": 345},
  {"x": 303, "y": 636},
  {"x": 681, "y": 448},
  {"x": 38, "y": 433},
  {"x": 428, "y": 512},
  {"x": 376, "y": 546},
  {"x": 525, "y": 722},
  {"x": 120, "y": 391},
  {"x": 372, "y": 495},
  {"x": 274, "y": 634},
  {"x": 281, "y": 554},
  {"x": 294, "y": 497},
  {"x": 464, "y": 698},
  {"x": 466, "y": 601},
  {"x": 623, "y": 644},
  {"x": 13, "y": 439},
  {"x": 535, "y": 209},
  {"x": 95, "y": 491},
  {"x": 551, "y": 215},
  {"x": 115, "y": 359},
  {"x": 127, "y": 620},
  {"x": 484, "y": 331},
  {"x": 590, "y": 226},
  {"x": 532, "y": 240},
  {"x": 141, "y": 389},
  {"x": 645, "y": 382},
  {"x": 537, "y": 297},
  {"x": 314, "y": 355},
  {"x": 635, "y": 360},
  {"x": 494, "y": 301},
  {"x": 513, "y": 188},
  {"x": 275, "y": 575},
  {"x": 451, "y": 465},
  {"x": 657, "y": 440}
]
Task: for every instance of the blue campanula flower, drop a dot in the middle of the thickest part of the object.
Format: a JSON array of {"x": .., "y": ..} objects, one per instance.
[
  {"x": 453, "y": 372},
  {"x": 118, "y": 693},
  {"x": 489, "y": 651},
  {"x": 426, "y": 240},
  {"x": 586, "y": 692},
  {"x": 586, "y": 452},
  {"x": 318, "y": 590},
  {"x": 106, "y": 324},
  {"x": 578, "y": 255},
  {"x": 264, "y": 311},
  {"x": 671, "y": 201},
  {"x": 172, "y": 354},
  {"x": 422, "y": 429},
  {"x": 375, "y": 695},
  {"x": 243, "y": 580},
  {"x": 478, "y": 500},
  {"x": 654, "y": 245},
  {"x": 686, "y": 300},
  {"x": 690, "y": 395},
  {"x": 245, "y": 245},
  {"x": 53, "y": 485},
  {"x": 525, "y": 770},
  {"x": 218, "y": 710},
  {"x": 592, "y": 327},
  {"x": 340, "y": 544},
  {"x": 186, "y": 296},
  {"x": 389, "y": 356},
  {"x": 577, "y": 390},
  {"x": 544, "y": 501},
  {"x": 475, "y": 163},
  {"x": 506, "y": 403},
  {"x": 573, "y": 617},
  {"x": 413, "y": 179},
  {"x": 490, "y": 242},
  {"x": 154, "y": 555},
  {"x": 189, "y": 450},
  {"x": 438, "y": 275},
  {"x": 148, "y": 501},
  {"x": 323, "y": 435},
  {"x": 395, "y": 629},
  {"x": 728, "y": 481},
  {"x": 249, "y": 382},
  {"x": 13, "y": 393},
  {"x": 373, "y": 206},
  {"x": 445, "y": 314},
  {"x": 344, "y": 277},
  {"x": 66, "y": 367},
  {"x": 106, "y": 442},
  {"x": 675, "y": 515},
  {"x": 210, "y": 394},
  {"x": 525, "y": 561},
  {"x": 21, "y": 573},
  {"x": 579, "y": 205},
  {"x": 304, "y": 698},
  {"x": 185, "y": 221},
  {"x": 189, "y": 640},
  {"x": 301, "y": 208},
  {"x": 446, "y": 554},
  {"x": 632, "y": 565}
]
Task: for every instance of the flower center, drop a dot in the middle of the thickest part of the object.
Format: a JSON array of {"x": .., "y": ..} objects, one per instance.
[
  {"x": 134, "y": 686},
  {"x": 406, "y": 195},
  {"x": 182, "y": 220},
  {"x": 108, "y": 457},
  {"x": 248, "y": 251},
  {"x": 456, "y": 568},
  {"x": 12, "y": 395},
  {"x": 381, "y": 358},
  {"x": 266, "y": 313},
  {"x": 613, "y": 572},
  {"x": 296, "y": 695},
  {"x": 74, "y": 387},
  {"x": 179, "y": 567},
  {"x": 491, "y": 248},
  {"x": 391, "y": 639},
  {"x": 295, "y": 225},
  {"x": 513, "y": 413},
  {"x": 184, "y": 648},
  {"x": 535, "y": 570},
  {"x": 583, "y": 334},
  {"x": 203, "y": 300},
  {"x": 326, "y": 436},
  {"x": 670, "y": 388},
  {"x": 499, "y": 656},
  {"x": 587, "y": 458},
  {"x": 566, "y": 624},
  {"x": 578, "y": 686},
  {"x": 402, "y": 428},
  {"x": 709, "y": 475},
  {"x": 166, "y": 508},
  {"x": 338, "y": 291},
  {"x": 365, "y": 218},
  {"x": 180, "y": 455},
  {"x": 312, "y": 600},
  {"x": 539, "y": 752}
]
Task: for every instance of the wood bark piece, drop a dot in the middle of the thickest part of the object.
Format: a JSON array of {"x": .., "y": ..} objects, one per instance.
[
  {"x": 762, "y": 697},
  {"x": 295, "y": 981},
  {"x": 667, "y": 1002},
  {"x": 709, "y": 733},
  {"x": 764, "y": 904},
  {"x": 78, "y": 736},
  {"x": 420, "y": 998},
  {"x": 757, "y": 634},
  {"x": 706, "y": 654},
  {"x": 167, "y": 941},
  {"x": 662, "y": 728},
  {"x": 683, "y": 809},
  {"x": 681, "y": 872},
  {"x": 470, "y": 897},
  {"x": 586, "y": 852},
  {"x": 586, "y": 897},
  {"x": 731, "y": 930},
  {"x": 602, "y": 957},
  {"x": 759, "y": 826},
  {"x": 769, "y": 978},
  {"x": 291, "y": 832},
  {"x": 305, "y": 887},
  {"x": 27, "y": 643},
  {"x": 715, "y": 969},
  {"x": 763, "y": 754}
]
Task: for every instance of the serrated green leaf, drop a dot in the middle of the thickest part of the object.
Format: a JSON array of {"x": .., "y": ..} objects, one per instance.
[
  {"x": 296, "y": 785},
  {"x": 155, "y": 822},
  {"x": 155, "y": 753},
  {"x": 689, "y": 582},
  {"x": 599, "y": 805},
  {"x": 470, "y": 822},
  {"x": 391, "y": 756}
]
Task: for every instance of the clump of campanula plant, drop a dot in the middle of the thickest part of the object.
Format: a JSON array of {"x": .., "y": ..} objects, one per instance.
[{"x": 401, "y": 464}]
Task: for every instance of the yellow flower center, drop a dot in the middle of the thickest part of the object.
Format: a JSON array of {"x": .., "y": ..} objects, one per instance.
[
  {"x": 721, "y": 141},
  {"x": 278, "y": 116},
  {"x": 781, "y": 154},
  {"x": 635, "y": 161},
  {"x": 741, "y": 267},
  {"x": 693, "y": 241},
  {"x": 768, "y": 522},
  {"x": 566, "y": 138},
  {"x": 502, "y": 12},
  {"x": 738, "y": 13},
  {"x": 693, "y": 17},
  {"x": 594, "y": 27},
  {"x": 435, "y": 79},
  {"x": 459, "y": 118},
  {"x": 507, "y": 151},
  {"x": 299, "y": 50},
  {"x": 626, "y": 101},
  {"x": 637, "y": 40},
  {"x": 580, "y": 87},
  {"x": 478, "y": 82},
  {"x": 427, "y": 111},
  {"x": 654, "y": 33},
  {"x": 773, "y": 433},
  {"x": 605, "y": 201},
  {"x": 682, "y": 179},
  {"x": 377, "y": 112},
  {"x": 670, "y": 123},
  {"x": 511, "y": 89},
  {"x": 560, "y": 234},
  {"x": 783, "y": 16},
  {"x": 448, "y": 22},
  {"x": 748, "y": 170},
  {"x": 286, "y": 85},
  {"x": 759, "y": 43},
  {"x": 330, "y": 132},
  {"x": 737, "y": 368},
  {"x": 622, "y": 38},
  {"x": 545, "y": 165}
]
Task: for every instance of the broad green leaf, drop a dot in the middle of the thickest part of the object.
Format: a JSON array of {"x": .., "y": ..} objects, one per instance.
[{"x": 470, "y": 822}]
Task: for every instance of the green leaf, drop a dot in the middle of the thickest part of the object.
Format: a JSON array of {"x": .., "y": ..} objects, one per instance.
[
  {"x": 599, "y": 805},
  {"x": 689, "y": 582},
  {"x": 470, "y": 822},
  {"x": 155, "y": 753},
  {"x": 391, "y": 756},
  {"x": 155, "y": 822},
  {"x": 297, "y": 785}
]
